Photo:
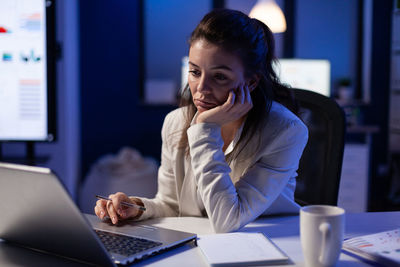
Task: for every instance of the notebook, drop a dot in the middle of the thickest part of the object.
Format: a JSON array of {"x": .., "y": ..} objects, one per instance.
[
  {"x": 37, "y": 213},
  {"x": 237, "y": 249},
  {"x": 382, "y": 248}
]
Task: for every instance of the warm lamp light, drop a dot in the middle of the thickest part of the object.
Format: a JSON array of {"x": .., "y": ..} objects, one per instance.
[{"x": 269, "y": 13}]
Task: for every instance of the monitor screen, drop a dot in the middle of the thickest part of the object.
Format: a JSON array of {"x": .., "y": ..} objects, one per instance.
[
  {"x": 310, "y": 74},
  {"x": 27, "y": 70},
  {"x": 184, "y": 72}
]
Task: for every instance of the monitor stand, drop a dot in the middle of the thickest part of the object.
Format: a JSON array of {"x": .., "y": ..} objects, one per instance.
[{"x": 29, "y": 159}]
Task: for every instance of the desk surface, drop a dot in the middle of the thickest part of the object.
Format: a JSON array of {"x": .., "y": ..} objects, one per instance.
[{"x": 284, "y": 231}]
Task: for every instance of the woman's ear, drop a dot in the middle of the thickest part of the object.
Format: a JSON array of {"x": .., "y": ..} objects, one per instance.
[{"x": 253, "y": 82}]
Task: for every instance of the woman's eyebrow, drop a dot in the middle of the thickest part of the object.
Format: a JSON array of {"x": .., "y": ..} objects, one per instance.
[
  {"x": 222, "y": 67},
  {"x": 194, "y": 65},
  {"x": 215, "y": 67}
]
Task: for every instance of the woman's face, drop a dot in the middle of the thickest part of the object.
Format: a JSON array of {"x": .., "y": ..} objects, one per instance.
[{"x": 213, "y": 73}]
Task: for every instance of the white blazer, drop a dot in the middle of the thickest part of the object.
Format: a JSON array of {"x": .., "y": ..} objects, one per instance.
[{"x": 260, "y": 182}]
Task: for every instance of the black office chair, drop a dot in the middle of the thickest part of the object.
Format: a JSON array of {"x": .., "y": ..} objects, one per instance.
[{"x": 321, "y": 163}]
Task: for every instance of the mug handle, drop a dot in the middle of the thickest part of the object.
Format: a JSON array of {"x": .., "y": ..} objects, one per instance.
[{"x": 325, "y": 229}]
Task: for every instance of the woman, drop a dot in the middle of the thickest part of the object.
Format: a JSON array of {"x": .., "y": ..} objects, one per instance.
[{"x": 231, "y": 151}]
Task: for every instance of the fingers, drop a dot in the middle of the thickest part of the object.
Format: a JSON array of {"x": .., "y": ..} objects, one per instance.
[
  {"x": 130, "y": 212},
  {"x": 248, "y": 96},
  {"x": 248, "y": 99},
  {"x": 243, "y": 103},
  {"x": 112, "y": 212},
  {"x": 114, "y": 209},
  {"x": 100, "y": 209},
  {"x": 237, "y": 104},
  {"x": 115, "y": 202},
  {"x": 230, "y": 101},
  {"x": 237, "y": 97},
  {"x": 123, "y": 211},
  {"x": 241, "y": 93}
]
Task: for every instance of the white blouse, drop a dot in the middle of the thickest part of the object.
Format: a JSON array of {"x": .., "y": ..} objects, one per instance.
[{"x": 260, "y": 181}]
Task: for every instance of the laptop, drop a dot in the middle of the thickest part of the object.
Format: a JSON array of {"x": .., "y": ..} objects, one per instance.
[{"x": 38, "y": 213}]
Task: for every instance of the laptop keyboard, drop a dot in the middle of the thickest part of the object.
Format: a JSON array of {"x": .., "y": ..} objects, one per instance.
[{"x": 125, "y": 245}]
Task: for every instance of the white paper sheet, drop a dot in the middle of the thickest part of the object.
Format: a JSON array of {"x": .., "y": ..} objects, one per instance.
[
  {"x": 240, "y": 248},
  {"x": 384, "y": 244}
]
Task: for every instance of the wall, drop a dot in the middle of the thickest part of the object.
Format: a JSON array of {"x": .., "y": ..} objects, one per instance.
[
  {"x": 328, "y": 30},
  {"x": 112, "y": 115},
  {"x": 168, "y": 25}
]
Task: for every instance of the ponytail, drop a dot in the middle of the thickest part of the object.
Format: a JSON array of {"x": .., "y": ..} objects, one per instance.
[{"x": 280, "y": 92}]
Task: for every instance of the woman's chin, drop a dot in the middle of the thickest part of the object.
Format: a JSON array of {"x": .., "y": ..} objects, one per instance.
[{"x": 201, "y": 109}]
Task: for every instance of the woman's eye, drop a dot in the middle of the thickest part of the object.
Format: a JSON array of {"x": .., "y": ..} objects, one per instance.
[
  {"x": 194, "y": 73},
  {"x": 220, "y": 77}
]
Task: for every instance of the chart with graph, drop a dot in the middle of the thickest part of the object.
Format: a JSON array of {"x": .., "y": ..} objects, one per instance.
[
  {"x": 23, "y": 70},
  {"x": 383, "y": 247}
]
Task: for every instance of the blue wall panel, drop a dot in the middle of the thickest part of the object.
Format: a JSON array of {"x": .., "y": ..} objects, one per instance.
[
  {"x": 112, "y": 116},
  {"x": 328, "y": 30}
]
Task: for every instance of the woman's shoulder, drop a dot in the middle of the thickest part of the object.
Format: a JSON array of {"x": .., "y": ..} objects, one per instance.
[
  {"x": 282, "y": 128},
  {"x": 281, "y": 118},
  {"x": 176, "y": 117},
  {"x": 175, "y": 121}
]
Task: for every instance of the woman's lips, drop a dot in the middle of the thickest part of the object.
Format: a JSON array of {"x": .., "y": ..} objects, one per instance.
[{"x": 204, "y": 104}]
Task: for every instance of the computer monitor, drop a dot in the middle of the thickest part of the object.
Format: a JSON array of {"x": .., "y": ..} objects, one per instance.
[
  {"x": 184, "y": 72},
  {"x": 310, "y": 74},
  {"x": 27, "y": 70}
]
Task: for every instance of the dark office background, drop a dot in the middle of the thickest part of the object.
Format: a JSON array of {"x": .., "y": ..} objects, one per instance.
[{"x": 108, "y": 67}]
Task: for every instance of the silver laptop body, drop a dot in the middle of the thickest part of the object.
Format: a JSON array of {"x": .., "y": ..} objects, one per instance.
[{"x": 37, "y": 212}]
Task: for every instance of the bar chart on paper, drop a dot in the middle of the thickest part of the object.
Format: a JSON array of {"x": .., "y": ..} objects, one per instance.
[{"x": 381, "y": 247}]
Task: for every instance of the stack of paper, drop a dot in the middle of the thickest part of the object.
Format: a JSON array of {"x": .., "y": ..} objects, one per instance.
[{"x": 240, "y": 249}]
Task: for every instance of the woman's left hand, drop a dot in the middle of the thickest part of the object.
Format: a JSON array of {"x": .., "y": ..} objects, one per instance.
[{"x": 233, "y": 109}]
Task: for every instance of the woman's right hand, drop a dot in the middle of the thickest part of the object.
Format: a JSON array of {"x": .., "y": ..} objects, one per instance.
[
  {"x": 114, "y": 210},
  {"x": 235, "y": 107}
]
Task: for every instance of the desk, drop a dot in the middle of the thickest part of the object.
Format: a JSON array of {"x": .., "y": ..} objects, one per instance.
[{"x": 284, "y": 231}]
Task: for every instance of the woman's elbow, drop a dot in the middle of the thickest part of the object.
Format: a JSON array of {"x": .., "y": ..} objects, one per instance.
[{"x": 226, "y": 226}]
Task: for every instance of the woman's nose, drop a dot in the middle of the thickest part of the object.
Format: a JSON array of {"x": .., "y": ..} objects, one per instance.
[{"x": 203, "y": 85}]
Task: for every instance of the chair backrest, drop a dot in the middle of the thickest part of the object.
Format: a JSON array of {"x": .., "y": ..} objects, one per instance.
[{"x": 321, "y": 163}]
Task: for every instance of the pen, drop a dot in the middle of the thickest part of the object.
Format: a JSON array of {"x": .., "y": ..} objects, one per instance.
[{"x": 123, "y": 203}]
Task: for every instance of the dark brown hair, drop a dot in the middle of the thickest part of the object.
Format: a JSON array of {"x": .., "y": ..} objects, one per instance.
[{"x": 253, "y": 42}]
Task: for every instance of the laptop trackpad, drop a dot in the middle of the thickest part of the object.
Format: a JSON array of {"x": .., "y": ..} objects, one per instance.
[{"x": 129, "y": 227}]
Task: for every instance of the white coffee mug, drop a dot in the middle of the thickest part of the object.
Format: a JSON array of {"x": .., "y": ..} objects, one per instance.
[{"x": 321, "y": 234}]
